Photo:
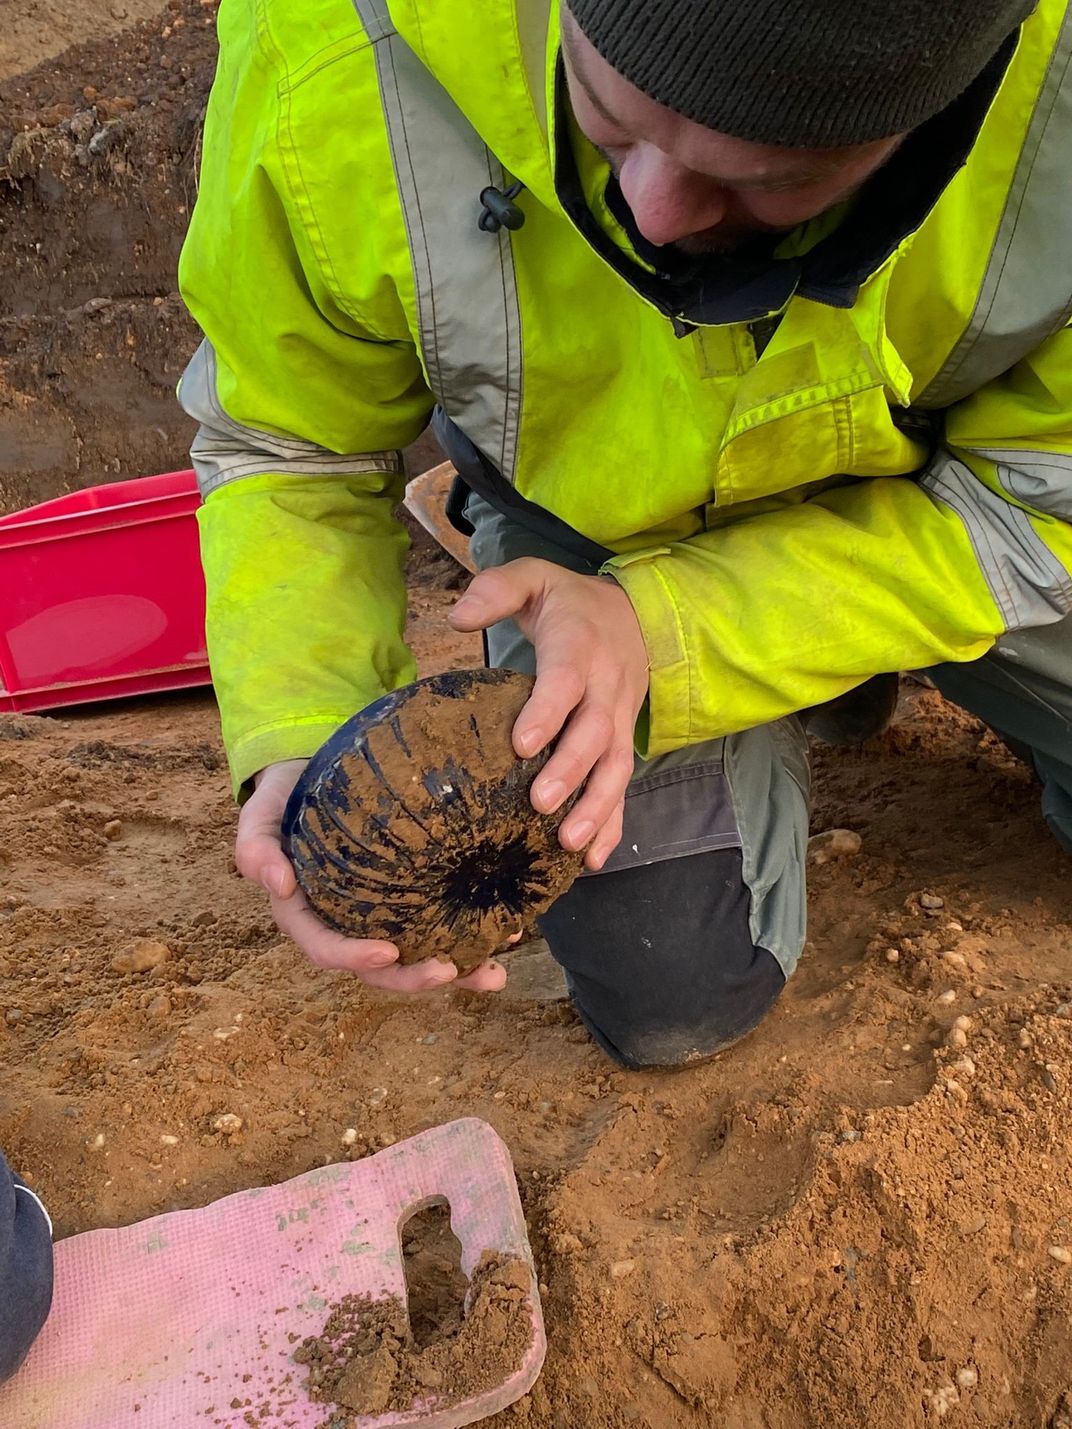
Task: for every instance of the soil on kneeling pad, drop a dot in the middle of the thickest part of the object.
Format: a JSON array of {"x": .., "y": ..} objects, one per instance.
[
  {"x": 419, "y": 828},
  {"x": 365, "y": 1359}
]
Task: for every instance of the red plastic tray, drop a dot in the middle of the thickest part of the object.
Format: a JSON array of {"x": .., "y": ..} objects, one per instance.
[{"x": 101, "y": 595}]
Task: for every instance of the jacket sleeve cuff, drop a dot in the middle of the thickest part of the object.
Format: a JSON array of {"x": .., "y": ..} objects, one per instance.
[
  {"x": 665, "y": 721},
  {"x": 297, "y": 739}
]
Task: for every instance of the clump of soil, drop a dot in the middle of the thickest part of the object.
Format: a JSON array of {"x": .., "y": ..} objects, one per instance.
[
  {"x": 418, "y": 828},
  {"x": 366, "y": 1360}
]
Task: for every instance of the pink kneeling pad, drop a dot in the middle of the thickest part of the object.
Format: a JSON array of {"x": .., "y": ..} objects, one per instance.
[{"x": 161, "y": 1325}]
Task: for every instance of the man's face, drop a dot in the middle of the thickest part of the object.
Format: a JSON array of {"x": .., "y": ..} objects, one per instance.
[{"x": 691, "y": 187}]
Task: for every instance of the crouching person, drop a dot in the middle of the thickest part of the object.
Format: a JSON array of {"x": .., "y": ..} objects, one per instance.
[{"x": 25, "y": 1269}]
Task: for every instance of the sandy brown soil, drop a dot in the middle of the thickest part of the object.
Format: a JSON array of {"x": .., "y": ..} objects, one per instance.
[
  {"x": 35, "y": 32},
  {"x": 98, "y": 160},
  {"x": 847, "y": 1220}
]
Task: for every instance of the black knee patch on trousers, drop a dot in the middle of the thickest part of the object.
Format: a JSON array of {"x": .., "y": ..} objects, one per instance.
[{"x": 660, "y": 960}]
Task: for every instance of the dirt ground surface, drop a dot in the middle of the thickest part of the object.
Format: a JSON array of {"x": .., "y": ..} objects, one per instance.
[
  {"x": 37, "y": 31},
  {"x": 859, "y": 1216}
]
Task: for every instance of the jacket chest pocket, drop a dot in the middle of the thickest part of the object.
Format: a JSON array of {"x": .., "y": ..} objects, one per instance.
[{"x": 805, "y": 437}]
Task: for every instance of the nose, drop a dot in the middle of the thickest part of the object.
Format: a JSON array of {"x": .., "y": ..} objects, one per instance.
[{"x": 669, "y": 202}]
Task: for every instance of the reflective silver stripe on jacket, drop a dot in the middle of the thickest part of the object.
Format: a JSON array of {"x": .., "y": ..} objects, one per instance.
[
  {"x": 224, "y": 450},
  {"x": 441, "y": 167},
  {"x": 1025, "y": 297},
  {"x": 1042, "y": 480},
  {"x": 1027, "y": 581},
  {"x": 1026, "y": 293}
]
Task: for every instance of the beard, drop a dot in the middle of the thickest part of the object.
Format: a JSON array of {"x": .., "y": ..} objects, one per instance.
[{"x": 730, "y": 241}]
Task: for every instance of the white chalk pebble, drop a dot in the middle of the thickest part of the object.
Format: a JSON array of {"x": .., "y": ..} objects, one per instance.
[
  {"x": 892, "y": 955},
  {"x": 1061, "y": 1254},
  {"x": 945, "y": 998},
  {"x": 349, "y": 1136},
  {"x": 963, "y": 1023},
  {"x": 943, "y": 1399},
  {"x": 957, "y": 1038},
  {"x": 1024, "y": 1039},
  {"x": 227, "y": 1124},
  {"x": 168, "y": 1140},
  {"x": 968, "y": 1377}
]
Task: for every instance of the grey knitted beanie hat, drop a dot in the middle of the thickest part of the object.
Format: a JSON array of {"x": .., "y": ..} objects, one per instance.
[{"x": 801, "y": 73}]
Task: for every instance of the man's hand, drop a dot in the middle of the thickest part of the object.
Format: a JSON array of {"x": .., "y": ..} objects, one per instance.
[
  {"x": 591, "y": 681},
  {"x": 260, "y": 858}
]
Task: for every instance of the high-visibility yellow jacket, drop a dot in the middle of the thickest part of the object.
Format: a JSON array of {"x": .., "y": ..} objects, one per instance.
[{"x": 854, "y": 457}]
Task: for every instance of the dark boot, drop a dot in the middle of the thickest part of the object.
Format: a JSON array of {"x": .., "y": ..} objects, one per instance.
[{"x": 857, "y": 715}]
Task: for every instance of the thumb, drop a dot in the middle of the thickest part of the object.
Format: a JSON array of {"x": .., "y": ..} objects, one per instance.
[{"x": 497, "y": 595}]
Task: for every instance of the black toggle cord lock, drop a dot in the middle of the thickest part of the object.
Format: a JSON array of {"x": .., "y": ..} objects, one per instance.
[{"x": 499, "y": 211}]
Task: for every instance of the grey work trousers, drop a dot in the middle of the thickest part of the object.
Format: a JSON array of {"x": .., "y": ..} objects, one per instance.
[
  {"x": 683, "y": 942},
  {"x": 1023, "y": 690}
]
